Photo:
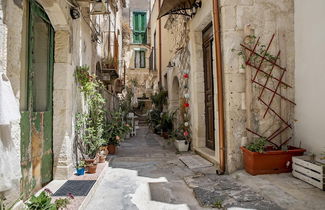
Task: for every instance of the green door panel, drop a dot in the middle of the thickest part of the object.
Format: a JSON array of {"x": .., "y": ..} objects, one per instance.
[{"x": 37, "y": 121}]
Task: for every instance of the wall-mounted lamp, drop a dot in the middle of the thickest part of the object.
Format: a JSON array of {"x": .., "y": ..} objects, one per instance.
[
  {"x": 74, "y": 12},
  {"x": 170, "y": 64}
]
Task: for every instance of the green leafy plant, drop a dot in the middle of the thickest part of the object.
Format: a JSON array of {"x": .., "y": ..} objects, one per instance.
[
  {"x": 159, "y": 99},
  {"x": 258, "y": 145},
  {"x": 154, "y": 118},
  {"x": 181, "y": 133},
  {"x": 41, "y": 202},
  {"x": 167, "y": 121},
  {"x": 89, "y": 125},
  {"x": 81, "y": 164},
  {"x": 115, "y": 128},
  {"x": 62, "y": 203},
  {"x": 323, "y": 156},
  {"x": 217, "y": 204}
]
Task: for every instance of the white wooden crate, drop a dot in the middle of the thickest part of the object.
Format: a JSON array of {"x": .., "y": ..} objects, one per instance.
[{"x": 312, "y": 172}]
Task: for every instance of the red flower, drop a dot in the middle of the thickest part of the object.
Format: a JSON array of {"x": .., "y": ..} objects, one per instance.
[
  {"x": 186, "y": 76},
  {"x": 70, "y": 195},
  {"x": 186, "y": 105},
  {"x": 185, "y": 133}
]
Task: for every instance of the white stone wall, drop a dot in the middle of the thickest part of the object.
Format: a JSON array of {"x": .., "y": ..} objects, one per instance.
[
  {"x": 73, "y": 47},
  {"x": 310, "y": 74}
]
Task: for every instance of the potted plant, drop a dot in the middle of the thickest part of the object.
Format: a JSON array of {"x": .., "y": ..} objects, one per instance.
[
  {"x": 102, "y": 156},
  {"x": 166, "y": 123},
  {"x": 81, "y": 168},
  {"x": 262, "y": 158},
  {"x": 181, "y": 139},
  {"x": 115, "y": 129}
]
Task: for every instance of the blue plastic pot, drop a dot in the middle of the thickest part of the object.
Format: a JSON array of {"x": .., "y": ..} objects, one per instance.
[{"x": 80, "y": 171}]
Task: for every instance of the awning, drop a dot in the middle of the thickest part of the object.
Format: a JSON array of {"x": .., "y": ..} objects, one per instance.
[{"x": 173, "y": 5}]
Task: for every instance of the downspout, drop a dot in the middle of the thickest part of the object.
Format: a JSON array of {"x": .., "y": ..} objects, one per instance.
[
  {"x": 159, "y": 40},
  {"x": 219, "y": 87}
]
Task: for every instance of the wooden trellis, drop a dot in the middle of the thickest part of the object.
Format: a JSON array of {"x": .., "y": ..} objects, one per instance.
[{"x": 260, "y": 69}]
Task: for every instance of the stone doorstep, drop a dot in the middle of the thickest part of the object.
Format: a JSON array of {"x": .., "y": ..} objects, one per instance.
[
  {"x": 95, "y": 186},
  {"x": 80, "y": 201}
]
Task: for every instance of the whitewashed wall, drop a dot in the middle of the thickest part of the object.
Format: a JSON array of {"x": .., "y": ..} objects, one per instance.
[{"x": 310, "y": 74}]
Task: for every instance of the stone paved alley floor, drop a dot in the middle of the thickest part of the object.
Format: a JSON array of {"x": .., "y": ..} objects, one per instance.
[{"x": 147, "y": 174}]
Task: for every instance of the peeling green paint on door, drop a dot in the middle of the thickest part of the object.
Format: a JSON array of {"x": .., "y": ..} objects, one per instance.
[{"x": 37, "y": 121}]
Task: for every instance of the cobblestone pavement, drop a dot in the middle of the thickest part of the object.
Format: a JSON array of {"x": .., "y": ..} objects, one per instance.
[{"x": 146, "y": 174}]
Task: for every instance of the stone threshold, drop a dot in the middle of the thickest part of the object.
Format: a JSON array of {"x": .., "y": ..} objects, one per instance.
[{"x": 207, "y": 154}]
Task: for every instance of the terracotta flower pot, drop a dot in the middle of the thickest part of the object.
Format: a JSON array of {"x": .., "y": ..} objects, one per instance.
[
  {"x": 111, "y": 149},
  {"x": 92, "y": 168},
  {"x": 102, "y": 158},
  {"x": 271, "y": 161},
  {"x": 165, "y": 135},
  {"x": 89, "y": 161}
]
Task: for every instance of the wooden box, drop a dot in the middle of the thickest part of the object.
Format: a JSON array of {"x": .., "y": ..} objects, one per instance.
[{"x": 310, "y": 170}]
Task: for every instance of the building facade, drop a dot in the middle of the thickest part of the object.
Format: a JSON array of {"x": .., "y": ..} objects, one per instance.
[
  {"x": 42, "y": 43},
  {"x": 137, "y": 51},
  {"x": 200, "y": 45}
]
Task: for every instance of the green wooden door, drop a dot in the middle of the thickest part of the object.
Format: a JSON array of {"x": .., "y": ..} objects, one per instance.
[{"x": 37, "y": 120}]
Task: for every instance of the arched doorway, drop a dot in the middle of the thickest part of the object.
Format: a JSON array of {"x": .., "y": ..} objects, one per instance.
[{"x": 175, "y": 99}]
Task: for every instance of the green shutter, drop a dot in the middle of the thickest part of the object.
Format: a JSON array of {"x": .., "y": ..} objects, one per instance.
[{"x": 139, "y": 27}]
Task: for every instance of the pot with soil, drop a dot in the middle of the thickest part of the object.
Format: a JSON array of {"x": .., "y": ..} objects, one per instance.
[
  {"x": 91, "y": 168},
  {"x": 262, "y": 159},
  {"x": 101, "y": 158}
]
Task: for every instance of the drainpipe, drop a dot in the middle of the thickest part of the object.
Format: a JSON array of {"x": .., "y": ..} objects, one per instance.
[
  {"x": 219, "y": 87},
  {"x": 159, "y": 40}
]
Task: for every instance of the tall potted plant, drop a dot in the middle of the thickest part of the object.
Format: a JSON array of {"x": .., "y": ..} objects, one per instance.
[
  {"x": 115, "y": 129},
  {"x": 90, "y": 124},
  {"x": 167, "y": 123}
]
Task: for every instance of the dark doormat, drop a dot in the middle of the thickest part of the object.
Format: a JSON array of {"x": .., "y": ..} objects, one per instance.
[{"x": 75, "y": 187}]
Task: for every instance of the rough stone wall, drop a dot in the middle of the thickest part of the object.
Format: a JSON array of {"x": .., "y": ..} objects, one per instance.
[
  {"x": 261, "y": 18},
  {"x": 10, "y": 47}
]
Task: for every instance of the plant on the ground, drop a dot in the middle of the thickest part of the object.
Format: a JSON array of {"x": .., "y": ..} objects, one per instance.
[
  {"x": 154, "y": 118},
  {"x": 126, "y": 101},
  {"x": 115, "y": 128},
  {"x": 62, "y": 203},
  {"x": 167, "y": 121},
  {"x": 323, "y": 156},
  {"x": 181, "y": 133},
  {"x": 257, "y": 146},
  {"x": 218, "y": 204},
  {"x": 41, "y": 202},
  {"x": 159, "y": 99}
]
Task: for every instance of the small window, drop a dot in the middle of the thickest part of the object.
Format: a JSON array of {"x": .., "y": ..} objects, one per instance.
[{"x": 140, "y": 59}]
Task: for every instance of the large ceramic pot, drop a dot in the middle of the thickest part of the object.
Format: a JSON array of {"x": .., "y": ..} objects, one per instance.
[{"x": 271, "y": 161}]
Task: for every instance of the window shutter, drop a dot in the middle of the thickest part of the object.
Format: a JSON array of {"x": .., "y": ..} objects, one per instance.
[{"x": 139, "y": 27}]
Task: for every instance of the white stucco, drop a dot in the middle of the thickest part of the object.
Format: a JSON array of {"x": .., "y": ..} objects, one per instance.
[{"x": 310, "y": 74}]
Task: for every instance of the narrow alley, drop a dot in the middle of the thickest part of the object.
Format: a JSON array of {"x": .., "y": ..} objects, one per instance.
[{"x": 162, "y": 104}]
